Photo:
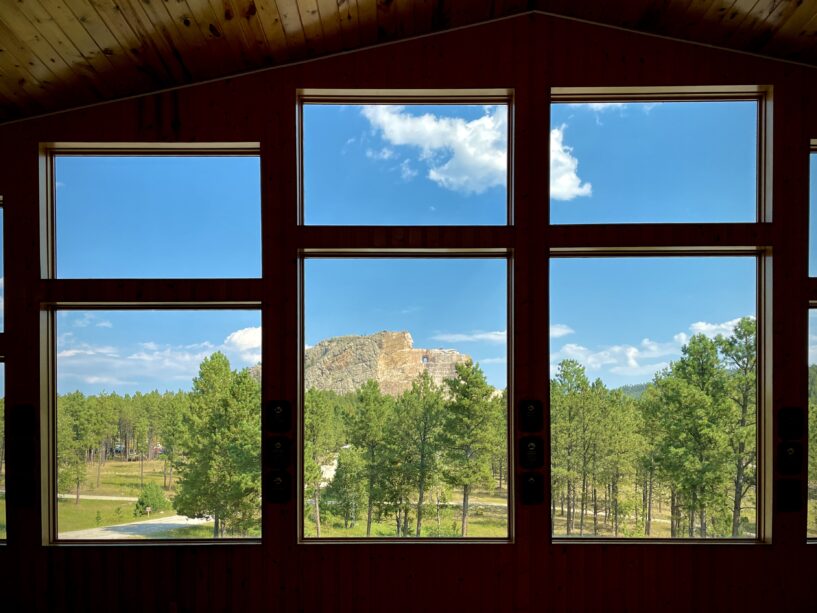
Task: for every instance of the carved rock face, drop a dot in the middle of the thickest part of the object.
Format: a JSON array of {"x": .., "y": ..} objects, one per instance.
[{"x": 344, "y": 363}]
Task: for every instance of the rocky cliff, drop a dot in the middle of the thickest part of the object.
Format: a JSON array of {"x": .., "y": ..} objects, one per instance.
[{"x": 344, "y": 363}]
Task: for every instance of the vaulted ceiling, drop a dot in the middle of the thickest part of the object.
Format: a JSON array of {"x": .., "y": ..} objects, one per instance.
[{"x": 59, "y": 54}]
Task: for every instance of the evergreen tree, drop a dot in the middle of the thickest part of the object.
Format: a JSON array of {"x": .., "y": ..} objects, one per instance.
[{"x": 467, "y": 432}]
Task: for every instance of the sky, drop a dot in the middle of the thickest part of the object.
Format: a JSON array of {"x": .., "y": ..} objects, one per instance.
[{"x": 416, "y": 164}]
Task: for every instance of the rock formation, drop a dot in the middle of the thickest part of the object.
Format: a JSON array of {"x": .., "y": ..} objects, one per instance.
[{"x": 344, "y": 363}]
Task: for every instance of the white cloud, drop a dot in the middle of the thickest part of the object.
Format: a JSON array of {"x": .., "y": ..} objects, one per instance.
[
  {"x": 560, "y": 330},
  {"x": 104, "y": 324},
  {"x": 383, "y": 154},
  {"x": 565, "y": 183},
  {"x": 599, "y": 107},
  {"x": 462, "y": 156},
  {"x": 407, "y": 173},
  {"x": 246, "y": 342},
  {"x": 713, "y": 329},
  {"x": 625, "y": 360},
  {"x": 497, "y": 336}
]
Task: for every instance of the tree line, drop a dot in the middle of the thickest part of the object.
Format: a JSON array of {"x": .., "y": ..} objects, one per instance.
[
  {"x": 208, "y": 439},
  {"x": 688, "y": 440},
  {"x": 400, "y": 457}
]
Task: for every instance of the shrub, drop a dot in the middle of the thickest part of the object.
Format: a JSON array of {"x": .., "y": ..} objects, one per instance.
[{"x": 151, "y": 496}]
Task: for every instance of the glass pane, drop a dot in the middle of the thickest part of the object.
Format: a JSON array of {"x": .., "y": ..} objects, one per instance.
[
  {"x": 653, "y": 397},
  {"x": 2, "y": 451},
  {"x": 2, "y": 277},
  {"x": 812, "y": 424},
  {"x": 158, "y": 216},
  {"x": 812, "y": 256},
  {"x": 405, "y": 410},
  {"x": 380, "y": 164},
  {"x": 653, "y": 162},
  {"x": 158, "y": 424}
]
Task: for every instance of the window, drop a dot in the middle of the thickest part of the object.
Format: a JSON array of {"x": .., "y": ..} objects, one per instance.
[
  {"x": 156, "y": 386},
  {"x": 2, "y": 452},
  {"x": 158, "y": 424},
  {"x": 405, "y": 164},
  {"x": 812, "y": 258},
  {"x": 653, "y": 398},
  {"x": 618, "y": 161},
  {"x": 155, "y": 216},
  {"x": 654, "y": 380},
  {"x": 405, "y": 398},
  {"x": 811, "y": 529}
]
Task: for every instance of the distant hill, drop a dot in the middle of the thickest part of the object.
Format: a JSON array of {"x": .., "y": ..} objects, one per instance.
[{"x": 635, "y": 390}]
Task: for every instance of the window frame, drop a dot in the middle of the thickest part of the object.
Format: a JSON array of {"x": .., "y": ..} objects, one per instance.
[
  {"x": 754, "y": 239},
  {"x": 134, "y": 294},
  {"x": 313, "y": 96}
]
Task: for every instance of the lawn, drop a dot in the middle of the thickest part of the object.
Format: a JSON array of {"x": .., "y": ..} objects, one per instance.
[
  {"x": 483, "y": 522},
  {"x": 120, "y": 478},
  {"x": 96, "y": 513},
  {"x": 2, "y": 516}
]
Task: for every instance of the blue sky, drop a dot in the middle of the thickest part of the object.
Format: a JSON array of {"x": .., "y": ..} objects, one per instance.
[{"x": 199, "y": 217}]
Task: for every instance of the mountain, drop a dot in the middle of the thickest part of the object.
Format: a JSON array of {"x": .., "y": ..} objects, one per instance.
[{"x": 344, "y": 363}]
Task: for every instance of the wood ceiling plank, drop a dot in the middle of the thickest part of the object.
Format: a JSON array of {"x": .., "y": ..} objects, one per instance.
[
  {"x": 251, "y": 34},
  {"x": 311, "y": 23},
  {"x": 228, "y": 50},
  {"x": 711, "y": 26},
  {"x": 405, "y": 18},
  {"x": 271, "y": 22},
  {"x": 788, "y": 31},
  {"x": 144, "y": 53},
  {"x": 164, "y": 25},
  {"x": 131, "y": 66},
  {"x": 19, "y": 84},
  {"x": 195, "y": 43},
  {"x": 333, "y": 39},
  {"x": 753, "y": 20},
  {"x": 767, "y": 29},
  {"x": 51, "y": 83},
  {"x": 69, "y": 56},
  {"x": 347, "y": 12},
  {"x": 148, "y": 55},
  {"x": 230, "y": 30},
  {"x": 367, "y": 21},
  {"x": 291, "y": 22},
  {"x": 65, "y": 20},
  {"x": 271, "y": 40}
]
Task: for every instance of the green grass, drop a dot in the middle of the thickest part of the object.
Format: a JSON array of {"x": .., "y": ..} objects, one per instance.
[
  {"x": 2, "y": 517},
  {"x": 483, "y": 522},
  {"x": 72, "y": 516},
  {"x": 201, "y": 531},
  {"x": 120, "y": 478}
]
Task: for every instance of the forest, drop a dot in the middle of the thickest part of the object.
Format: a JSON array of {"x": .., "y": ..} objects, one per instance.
[{"x": 672, "y": 458}]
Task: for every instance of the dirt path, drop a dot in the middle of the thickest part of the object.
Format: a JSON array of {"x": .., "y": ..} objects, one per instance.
[{"x": 135, "y": 530}]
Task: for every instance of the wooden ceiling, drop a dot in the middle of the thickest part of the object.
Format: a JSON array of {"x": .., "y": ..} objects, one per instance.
[{"x": 59, "y": 54}]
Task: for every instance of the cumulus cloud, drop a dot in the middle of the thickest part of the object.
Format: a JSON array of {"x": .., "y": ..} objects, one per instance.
[
  {"x": 565, "y": 183},
  {"x": 560, "y": 330},
  {"x": 626, "y": 360},
  {"x": 497, "y": 336},
  {"x": 246, "y": 343},
  {"x": 463, "y": 156},
  {"x": 149, "y": 365},
  {"x": 713, "y": 329}
]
